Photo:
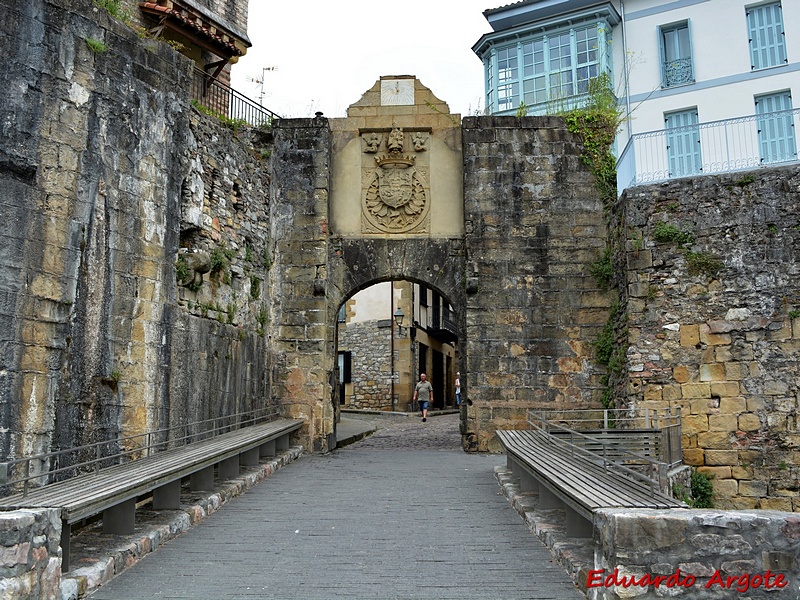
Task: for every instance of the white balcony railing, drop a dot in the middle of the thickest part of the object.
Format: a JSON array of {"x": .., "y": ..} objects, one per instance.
[{"x": 720, "y": 146}]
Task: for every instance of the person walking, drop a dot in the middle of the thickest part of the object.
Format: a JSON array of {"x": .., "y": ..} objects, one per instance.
[
  {"x": 423, "y": 394},
  {"x": 458, "y": 389}
]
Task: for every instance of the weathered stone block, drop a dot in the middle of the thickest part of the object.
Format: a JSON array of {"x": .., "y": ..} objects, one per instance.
[
  {"x": 695, "y": 424},
  {"x": 693, "y": 456},
  {"x": 712, "y": 372},
  {"x": 696, "y": 390},
  {"x": 732, "y": 405},
  {"x": 722, "y": 457},
  {"x": 749, "y": 422},
  {"x": 681, "y": 374},
  {"x": 722, "y": 423},
  {"x": 756, "y": 489},
  {"x": 737, "y": 371},
  {"x": 690, "y": 335},
  {"x": 713, "y": 339},
  {"x": 725, "y": 390},
  {"x": 715, "y": 440},
  {"x": 716, "y": 472},
  {"x": 724, "y": 488}
]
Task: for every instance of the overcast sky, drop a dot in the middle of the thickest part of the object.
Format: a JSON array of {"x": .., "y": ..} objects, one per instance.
[{"x": 327, "y": 53}]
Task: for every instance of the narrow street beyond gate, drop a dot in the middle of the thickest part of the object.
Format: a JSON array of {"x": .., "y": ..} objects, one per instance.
[{"x": 403, "y": 514}]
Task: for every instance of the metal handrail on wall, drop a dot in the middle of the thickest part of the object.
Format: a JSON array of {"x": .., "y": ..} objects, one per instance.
[
  {"x": 137, "y": 446},
  {"x": 723, "y": 146},
  {"x": 666, "y": 423},
  {"x": 222, "y": 100}
]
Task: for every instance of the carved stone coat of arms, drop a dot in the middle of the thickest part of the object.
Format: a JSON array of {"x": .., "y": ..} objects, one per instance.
[{"x": 395, "y": 199}]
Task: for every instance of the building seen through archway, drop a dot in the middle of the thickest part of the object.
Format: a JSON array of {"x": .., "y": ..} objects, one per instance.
[{"x": 388, "y": 334}]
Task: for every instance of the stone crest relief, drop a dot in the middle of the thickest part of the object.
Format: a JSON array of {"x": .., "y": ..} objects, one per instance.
[{"x": 396, "y": 193}]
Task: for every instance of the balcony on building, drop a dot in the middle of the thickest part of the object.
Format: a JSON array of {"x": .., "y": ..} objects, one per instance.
[{"x": 764, "y": 139}]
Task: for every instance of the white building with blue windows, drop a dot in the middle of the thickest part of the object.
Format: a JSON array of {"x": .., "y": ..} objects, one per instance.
[{"x": 707, "y": 84}]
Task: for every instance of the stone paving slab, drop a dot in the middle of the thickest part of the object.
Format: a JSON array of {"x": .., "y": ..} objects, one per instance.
[{"x": 402, "y": 514}]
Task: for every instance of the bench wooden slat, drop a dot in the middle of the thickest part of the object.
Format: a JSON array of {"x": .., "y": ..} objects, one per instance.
[
  {"x": 595, "y": 493},
  {"x": 621, "y": 485},
  {"x": 582, "y": 483},
  {"x": 87, "y": 495}
]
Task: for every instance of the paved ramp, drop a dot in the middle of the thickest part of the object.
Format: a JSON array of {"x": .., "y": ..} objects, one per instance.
[{"x": 403, "y": 514}]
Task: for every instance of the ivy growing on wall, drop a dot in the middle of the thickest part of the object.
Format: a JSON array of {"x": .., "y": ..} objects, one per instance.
[{"x": 596, "y": 125}]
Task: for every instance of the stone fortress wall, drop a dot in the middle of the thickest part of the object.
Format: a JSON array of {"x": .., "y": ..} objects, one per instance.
[
  {"x": 106, "y": 187},
  {"x": 106, "y": 174},
  {"x": 713, "y": 325}
]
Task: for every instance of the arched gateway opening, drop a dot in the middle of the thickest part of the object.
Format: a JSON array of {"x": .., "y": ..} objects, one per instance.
[
  {"x": 387, "y": 335},
  {"x": 499, "y": 216}
]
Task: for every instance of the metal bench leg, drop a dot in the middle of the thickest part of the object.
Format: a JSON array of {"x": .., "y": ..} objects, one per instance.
[
  {"x": 516, "y": 469},
  {"x": 120, "y": 519},
  {"x": 267, "y": 450},
  {"x": 548, "y": 499},
  {"x": 527, "y": 482},
  {"x": 202, "y": 480},
  {"x": 66, "y": 532},
  {"x": 282, "y": 443},
  {"x": 228, "y": 468},
  {"x": 509, "y": 462},
  {"x": 249, "y": 458},
  {"x": 168, "y": 496},
  {"x": 577, "y": 525}
]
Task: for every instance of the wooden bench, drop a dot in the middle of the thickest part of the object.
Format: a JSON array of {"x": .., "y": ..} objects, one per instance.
[
  {"x": 570, "y": 478},
  {"x": 113, "y": 491}
]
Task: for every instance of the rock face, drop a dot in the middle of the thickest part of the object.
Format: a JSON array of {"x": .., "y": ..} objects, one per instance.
[
  {"x": 105, "y": 173},
  {"x": 712, "y": 305}
]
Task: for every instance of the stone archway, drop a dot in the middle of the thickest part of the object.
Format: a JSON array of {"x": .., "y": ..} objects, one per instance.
[
  {"x": 438, "y": 265},
  {"x": 500, "y": 214}
]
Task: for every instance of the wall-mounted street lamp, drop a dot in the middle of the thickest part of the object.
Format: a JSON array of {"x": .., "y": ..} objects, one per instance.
[{"x": 398, "y": 318}]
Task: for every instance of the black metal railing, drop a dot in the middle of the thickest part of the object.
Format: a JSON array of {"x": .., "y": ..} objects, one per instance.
[
  {"x": 219, "y": 100},
  {"x": 443, "y": 318},
  {"x": 41, "y": 469}
]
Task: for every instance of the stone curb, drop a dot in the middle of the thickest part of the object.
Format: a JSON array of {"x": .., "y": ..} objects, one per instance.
[
  {"x": 574, "y": 555},
  {"x": 80, "y": 582}
]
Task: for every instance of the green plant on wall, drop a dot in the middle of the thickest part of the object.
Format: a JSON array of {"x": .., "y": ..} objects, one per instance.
[
  {"x": 702, "y": 491},
  {"x": 603, "y": 270},
  {"x": 95, "y": 45},
  {"x": 703, "y": 263},
  {"x": 116, "y": 9},
  {"x": 224, "y": 119},
  {"x": 597, "y": 123},
  {"x": 255, "y": 287},
  {"x": 667, "y": 233}
]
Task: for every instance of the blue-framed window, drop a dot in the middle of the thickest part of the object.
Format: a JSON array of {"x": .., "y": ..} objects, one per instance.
[
  {"x": 676, "y": 55},
  {"x": 683, "y": 143},
  {"x": 776, "y": 139},
  {"x": 546, "y": 71},
  {"x": 767, "y": 37}
]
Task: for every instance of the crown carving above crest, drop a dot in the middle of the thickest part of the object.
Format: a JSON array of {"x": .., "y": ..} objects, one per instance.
[{"x": 396, "y": 158}]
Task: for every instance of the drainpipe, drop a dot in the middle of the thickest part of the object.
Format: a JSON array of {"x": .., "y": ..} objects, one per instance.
[{"x": 625, "y": 73}]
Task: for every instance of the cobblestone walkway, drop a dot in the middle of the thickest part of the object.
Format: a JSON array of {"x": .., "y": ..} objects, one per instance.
[{"x": 403, "y": 514}]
